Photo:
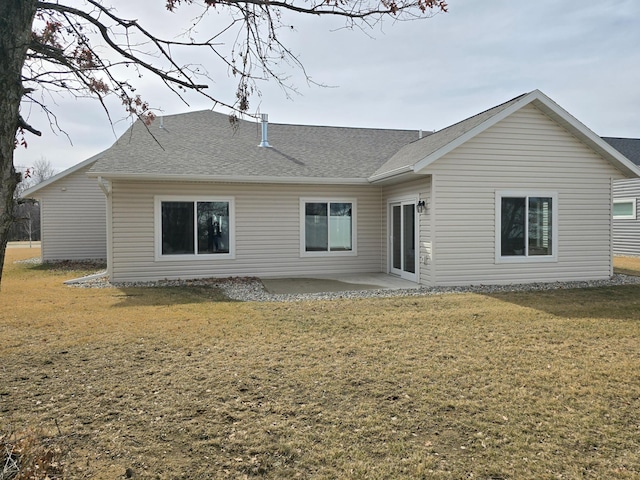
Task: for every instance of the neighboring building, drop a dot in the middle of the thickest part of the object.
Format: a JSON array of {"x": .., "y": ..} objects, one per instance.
[
  {"x": 626, "y": 223},
  {"x": 73, "y": 220},
  {"x": 518, "y": 193}
]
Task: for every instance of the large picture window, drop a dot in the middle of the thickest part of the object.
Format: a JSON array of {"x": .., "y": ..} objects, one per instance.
[
  {"x": 526, "y": 226},
  {"x": 328, "y": 226},
  {"x": 194, "y": 227}
]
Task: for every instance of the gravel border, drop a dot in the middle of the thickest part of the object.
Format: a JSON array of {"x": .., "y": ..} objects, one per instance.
[{"x": 251, "y": 289}]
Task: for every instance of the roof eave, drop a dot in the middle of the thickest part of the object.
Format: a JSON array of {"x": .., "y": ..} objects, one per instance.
[
  {"x": 595, "y": 142},
  {"x": 391, "y": 174},
  {"x": 626, "y": 166},
  {"x": 228, "y": 178},
  {"x": 29, "y": 192}
]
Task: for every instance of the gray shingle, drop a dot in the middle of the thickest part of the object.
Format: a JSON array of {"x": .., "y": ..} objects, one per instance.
[{"x": 205, "y": 144}]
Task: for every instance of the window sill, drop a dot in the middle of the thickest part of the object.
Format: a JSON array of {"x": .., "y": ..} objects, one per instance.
[
  {"x": 336, "y": 253},
  {"x": 530, "y": 259},
  {"x": 204, "y": 257}
]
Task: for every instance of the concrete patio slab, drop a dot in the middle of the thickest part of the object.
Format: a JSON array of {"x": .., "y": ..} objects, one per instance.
[{"x": 339, "y": 283}]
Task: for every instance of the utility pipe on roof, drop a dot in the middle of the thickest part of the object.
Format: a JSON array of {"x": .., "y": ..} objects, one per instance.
[{"x": 264, "y": 118}]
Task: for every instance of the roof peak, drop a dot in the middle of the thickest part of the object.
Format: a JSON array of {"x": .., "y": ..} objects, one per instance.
[{"x": 257, "y": 120}]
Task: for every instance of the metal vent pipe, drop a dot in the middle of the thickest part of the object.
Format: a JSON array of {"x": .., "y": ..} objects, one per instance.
[{"x": 264, "y": 118}]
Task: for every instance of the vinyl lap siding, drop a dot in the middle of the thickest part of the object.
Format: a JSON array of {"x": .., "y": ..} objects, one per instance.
[
  {"x": 626, "y": 233},
  {"x": 267, "y": 232},
  {"x": 73, "y": 219},
  {"x": 526, "y": 151}
]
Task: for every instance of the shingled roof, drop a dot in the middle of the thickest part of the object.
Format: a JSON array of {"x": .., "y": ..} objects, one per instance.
[{"x": 204, "y": 145}]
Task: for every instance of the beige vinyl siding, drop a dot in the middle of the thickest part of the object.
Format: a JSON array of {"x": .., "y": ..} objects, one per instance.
[
  {"x": 526, "y": 151},
  {"x": 419, "y": 189},
  {"x": 626, "y": 233},
  {"x": 267, "y": 232},
  {"x": 73, "y": 218}
]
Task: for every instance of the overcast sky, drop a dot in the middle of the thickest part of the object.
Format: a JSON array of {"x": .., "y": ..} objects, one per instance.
[{"x": 424, "y": 74}]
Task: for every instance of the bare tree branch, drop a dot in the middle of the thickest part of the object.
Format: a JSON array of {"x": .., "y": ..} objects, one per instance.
[
  {"x": 25, "y": 126},
  {"x": 104, "y": 32},
  {"x": 51, "y": 48}
]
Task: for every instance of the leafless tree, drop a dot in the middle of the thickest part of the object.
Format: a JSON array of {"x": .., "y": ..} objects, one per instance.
[
  {"x": 26, "y": 211},
  {"x": 42, "y": 170},
  {"x": 82, "y": 48}
]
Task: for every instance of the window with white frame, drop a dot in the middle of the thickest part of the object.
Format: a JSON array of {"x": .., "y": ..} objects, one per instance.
[
  {"x": 327, "y": 226},
  {"x": 624, "y": 209},
  {"x": 193, "y": 227},
  {"x": 526, "y": 226}
]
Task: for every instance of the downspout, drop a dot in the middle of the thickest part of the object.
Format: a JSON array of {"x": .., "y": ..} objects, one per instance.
[
  {"x": 432, "y": 231},
  {"x": 384, "y": 234},
  {"x": 106, "y": 188},
  {"x": 610, "y": 227}
]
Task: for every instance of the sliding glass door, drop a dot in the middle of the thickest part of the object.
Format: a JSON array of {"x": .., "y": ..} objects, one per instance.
[{"x": 402, "y": 240}]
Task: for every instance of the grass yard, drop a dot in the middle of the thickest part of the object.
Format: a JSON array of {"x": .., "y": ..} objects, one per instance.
[
  {"x": 627, "y": 265},
  {"x": 181, "y": 384}
]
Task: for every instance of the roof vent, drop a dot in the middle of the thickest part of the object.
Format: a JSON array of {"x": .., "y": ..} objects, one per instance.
[{"x": 264, "y": 118}]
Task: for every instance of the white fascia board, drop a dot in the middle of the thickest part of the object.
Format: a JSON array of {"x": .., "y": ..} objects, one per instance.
[
  {"x": 593, "y": 140},
  {"x": 628, "y": 167},
  {"x": 230, "y": 179},
  {"x": 30, "y": 191},
  {"x": 391, "y": 173},
  {"x": 425, "y": 162}
]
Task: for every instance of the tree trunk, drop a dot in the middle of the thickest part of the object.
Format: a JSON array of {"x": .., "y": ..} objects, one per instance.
[{"x": 16, "y": 20}]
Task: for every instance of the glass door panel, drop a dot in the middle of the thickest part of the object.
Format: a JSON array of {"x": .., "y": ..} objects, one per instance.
[
  {"x": 409, "y": 238},
  {"x": 396, "y": 237},
  {"x": 403, "y": 240}
]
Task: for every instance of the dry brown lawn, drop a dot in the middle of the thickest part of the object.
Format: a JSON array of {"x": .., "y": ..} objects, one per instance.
[
  {"x": 182, "y": 384},
  {"x": 627, "y": 265}
]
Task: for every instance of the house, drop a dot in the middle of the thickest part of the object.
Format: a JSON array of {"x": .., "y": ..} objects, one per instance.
[
  {"x": 626, "y": 223},
  {"x": 518, "y": 193},
  {"x": 73, "y": 215}
]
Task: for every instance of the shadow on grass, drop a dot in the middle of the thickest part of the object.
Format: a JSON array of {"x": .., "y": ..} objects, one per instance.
[
  {"x": 626, "y": 271},
  {"x": 70, "y": 266},
  {"x": 168, "y": 296},
  {"x": 615, "y": 303}
]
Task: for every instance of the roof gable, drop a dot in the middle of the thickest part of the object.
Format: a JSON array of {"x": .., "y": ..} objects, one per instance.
[
  {"x": 30, "y": 192},
  {"x": 418, "y": 156},
  {"x": 406, "y": 158}
]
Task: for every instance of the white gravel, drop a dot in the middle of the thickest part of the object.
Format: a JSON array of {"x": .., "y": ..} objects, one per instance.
[{"x": 252, "y": 289}]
